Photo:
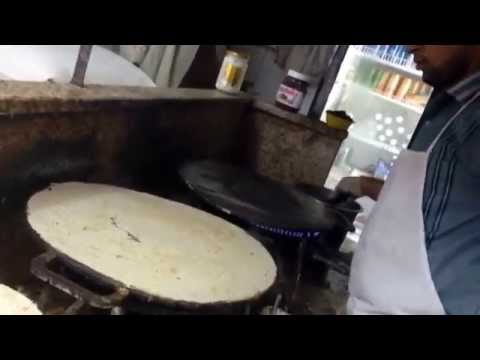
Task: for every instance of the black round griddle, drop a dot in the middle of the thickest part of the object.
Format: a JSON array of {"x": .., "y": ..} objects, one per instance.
[
  {"x": 269, "y": 205},
  {"x": 281, "y": 211}
]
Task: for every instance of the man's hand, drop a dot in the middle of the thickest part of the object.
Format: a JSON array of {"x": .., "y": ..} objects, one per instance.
[{"x": 361, "y": 186}]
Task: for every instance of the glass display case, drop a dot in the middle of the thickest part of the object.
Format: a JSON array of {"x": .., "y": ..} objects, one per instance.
[{"x": 380, "y": 88}]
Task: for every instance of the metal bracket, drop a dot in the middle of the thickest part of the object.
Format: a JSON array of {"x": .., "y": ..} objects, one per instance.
[
  {"x": 299, "y": 269},
  {"x": 74, "y": 308},
  {"x": 40, "y": 269},
  {"x": 81, "y": 65}
]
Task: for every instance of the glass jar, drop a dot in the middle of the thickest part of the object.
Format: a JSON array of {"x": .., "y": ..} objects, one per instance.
[
  {"x": 292, "y": 91},
  {"x": 232, "y": 73}
]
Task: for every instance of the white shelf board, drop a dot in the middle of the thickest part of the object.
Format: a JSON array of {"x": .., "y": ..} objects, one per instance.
[
  {"x": 376, "y": 143},
  {"x": 407, "y": 106}
]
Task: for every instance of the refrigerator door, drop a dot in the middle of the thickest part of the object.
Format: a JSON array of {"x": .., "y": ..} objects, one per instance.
[{"x": 380, "y": 88}]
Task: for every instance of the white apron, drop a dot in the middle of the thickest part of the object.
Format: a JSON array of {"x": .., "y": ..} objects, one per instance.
[{"x": 390, "y": 273}]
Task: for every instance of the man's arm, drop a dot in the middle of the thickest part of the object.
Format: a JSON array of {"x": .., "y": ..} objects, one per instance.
[{"x": 361, "y": 186}]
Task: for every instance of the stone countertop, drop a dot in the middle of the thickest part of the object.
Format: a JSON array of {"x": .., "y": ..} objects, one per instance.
[
  {"x": 28, "y": 97},
  {"x": 299, "y": 120}
]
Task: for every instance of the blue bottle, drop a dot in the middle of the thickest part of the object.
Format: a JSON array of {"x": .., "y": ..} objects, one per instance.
[
  {"x": 394, "y": 53},
  {"x": 384, "y": 51}
]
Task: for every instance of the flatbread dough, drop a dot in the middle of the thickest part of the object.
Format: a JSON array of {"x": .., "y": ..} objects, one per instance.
[
  {"x": 164, "y": 248},
  {"x": 14, "y": 303}
]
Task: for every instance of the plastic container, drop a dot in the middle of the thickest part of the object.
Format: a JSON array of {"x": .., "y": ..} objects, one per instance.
[
  {"x": 292, "y": 91},
  {"x": 232, "y": 73},
  {"x": 339, "y": 120}
]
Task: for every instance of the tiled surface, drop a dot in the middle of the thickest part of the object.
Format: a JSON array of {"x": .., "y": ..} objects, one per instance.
[{"x": 290, "y": 153}]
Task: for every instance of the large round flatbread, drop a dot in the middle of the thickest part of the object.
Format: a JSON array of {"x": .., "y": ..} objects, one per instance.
[
  {"x": 164, "y": 248},
  {"x": 14, "y": 303}
]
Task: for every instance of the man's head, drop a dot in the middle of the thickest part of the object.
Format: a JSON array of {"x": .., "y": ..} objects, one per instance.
[{"x": 445, "y": 65}]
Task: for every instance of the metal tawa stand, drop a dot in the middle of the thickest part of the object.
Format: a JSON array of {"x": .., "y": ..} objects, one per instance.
[
  {"x": 286, "y": 292},
  {"x": 292, "y": 291},
  {"x": 81, "y": 66},
  {"x": 301, "y": 253},
  {"x": 41, "y": 267}
]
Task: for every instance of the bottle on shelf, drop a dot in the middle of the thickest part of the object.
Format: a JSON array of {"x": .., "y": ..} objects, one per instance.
[
  {"x": 395, "y": 54},
  {"x": 392, "y": 85},
  {"x": 402, "y": 56},
  {"x": 425, "y": 93},
  {"x": 415, "y": 89},
  {"x": 372, "y": 76},
  {"x": 424, "y": 90},
  {"x": 388, "y": 53},
  {"x": 403, "y": 88},
  {"x": 384, "y": 52},
  {"x": 382, "y": 84},
  {"x": 376, "y": 50},
  {"x": 398, "y": 55},
  {"x": 418, "y": 94},
  {"x": 376, "y": 79},
  {"x": 409, "y": 63},
  {"x": 369, "y": 49}
]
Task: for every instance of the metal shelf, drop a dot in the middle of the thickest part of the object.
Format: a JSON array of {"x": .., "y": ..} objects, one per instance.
[
  {"x": 416, "y": 109},
  {"x": 398, "y": 68},
  {"x": 413, "y": 108},
  {"x": 377, "y": 144}
]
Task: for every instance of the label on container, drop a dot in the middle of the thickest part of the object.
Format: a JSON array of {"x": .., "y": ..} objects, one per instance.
[
  {"x": 232, "y": 74},
  {"x": 290, "y": 97}
]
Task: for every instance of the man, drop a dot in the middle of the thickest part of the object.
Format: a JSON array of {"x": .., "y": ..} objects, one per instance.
[{"x": 420, "y": 251}]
